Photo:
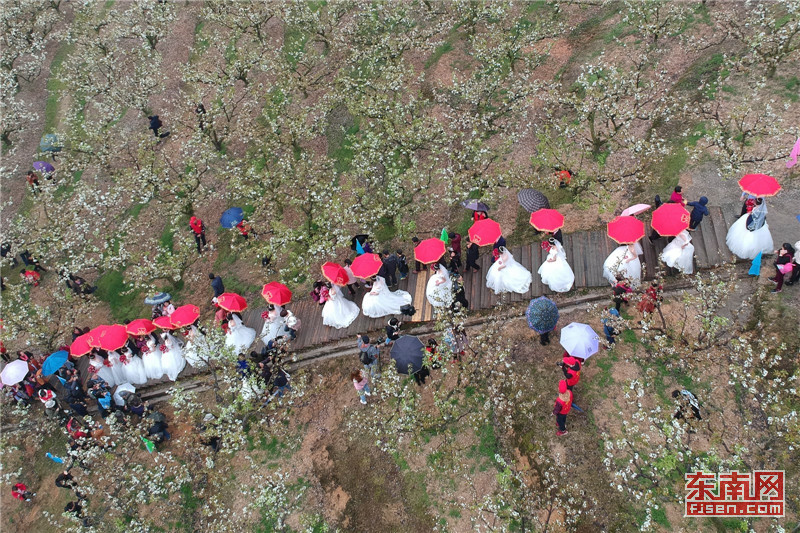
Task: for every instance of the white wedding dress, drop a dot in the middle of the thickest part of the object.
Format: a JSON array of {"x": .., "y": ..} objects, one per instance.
[
  {"x": 116, "y": 367},
  {"x": 617, "y": 263},
  {"x": 103, "y": 372},
  {"x": 172, "y": 361},
  {"x": 134, "y": 369},
  {"x": 152, "y": 360},
  {"x": 195, "y": 345},
  {"x": 555, "y": 271},
  {"x": 338, "y": 312},
  {"x": 239, "y": 336},
  {"x": 513, "y": 278},
  {"x": 677, "y": 256},
  {"x": 440, "y": 295},
  {"x": 380, "y": 301},
  {"x": 747, "y": 244},
  {"x": 273, "y": 325}
]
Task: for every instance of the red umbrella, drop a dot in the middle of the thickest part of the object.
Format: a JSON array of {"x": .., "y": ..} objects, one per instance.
[
  {"x": 366, "y": 265},
  {"x": 113, "y": 337},
  {"x": 277, "y": 293},
  {"x": 140, "y": 326},
  {"x": 759, "y": 185},
  {"x": 547, "y": 220},
  {"x": 626, "y": 230},
  {"x": 485, "y": 232},
  {"x": 164, "y": 322},
  {"x": 670, "y": 219},
  {"x": 93, "y": 337},
  {"x": 429, "y": 251},
  {"x": 80, "y": 346},
  {"x": 335, "y": 273},
  {"x": 231, "y": 301},
  {"x": 185, "y": 315}
]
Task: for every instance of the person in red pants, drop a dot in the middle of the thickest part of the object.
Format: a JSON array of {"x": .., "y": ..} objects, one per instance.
[{"x": 562, "y": 407}]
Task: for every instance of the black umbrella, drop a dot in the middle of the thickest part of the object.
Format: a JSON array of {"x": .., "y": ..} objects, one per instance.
[
  {"x": 532, "y": 200},
  {"x": 408, "y": 350},
  {"x": 360, "y": 238}
]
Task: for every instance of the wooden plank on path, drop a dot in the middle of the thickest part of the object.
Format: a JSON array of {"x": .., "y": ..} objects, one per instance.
[
  {"x": 483, "y": 296},
  {"x": 720, "y": 231},
  {"x": 536, "y": 261},
  {"x": 513, "y": 296},
  {"x": 419, "y": 299},
  {"x": 576, "y": 257},
  {"x": 710, "y": 238},
  {"x": 593, "y": 259},
  {"x": 700, "y": 249}
]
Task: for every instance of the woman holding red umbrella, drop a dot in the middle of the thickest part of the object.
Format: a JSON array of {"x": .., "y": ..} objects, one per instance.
[
  {"x": 338, "y": 312},
  {"x": 555, "y": 271},
  {"x": 750, "y": 234},
  {"x": 679, "y": 253},
  {"x": 439, "y": 290},
  {"x": 624, "y": 260},
  {"x": 172, "y": 360},
  {"x": 507, "y": 275},
  {"x": 380, "y": 301}
]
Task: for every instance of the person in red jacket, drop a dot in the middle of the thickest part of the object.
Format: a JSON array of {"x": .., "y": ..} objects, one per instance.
[
  {"x": 571, "y": 366},
  {"x": 21, "y": 492},
  {"x": 562, "y": 407},
  {"x": 199, "y": 230}
]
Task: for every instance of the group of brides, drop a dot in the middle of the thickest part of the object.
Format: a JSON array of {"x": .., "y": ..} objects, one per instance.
[
  {"x": 748, "y": 236},
  {"x": 147, "y": 357}
]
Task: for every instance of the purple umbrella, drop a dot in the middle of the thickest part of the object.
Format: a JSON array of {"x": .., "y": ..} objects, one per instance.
[{"x": 44, "y": 167}]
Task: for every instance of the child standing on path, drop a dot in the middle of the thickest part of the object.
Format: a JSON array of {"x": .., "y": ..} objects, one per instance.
[{"x": 361, "y": 384}]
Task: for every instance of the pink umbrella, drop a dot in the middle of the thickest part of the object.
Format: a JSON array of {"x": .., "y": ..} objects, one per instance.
[
  {"x": 794, "y": 155},
  {"x": 635, "y": 209}
]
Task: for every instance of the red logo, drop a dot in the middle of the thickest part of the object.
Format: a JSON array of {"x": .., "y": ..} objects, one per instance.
[{"x": 735, "y": 494}]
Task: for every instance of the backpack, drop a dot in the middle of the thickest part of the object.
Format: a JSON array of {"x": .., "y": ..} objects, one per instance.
[
  {"x": 366, "y": 358},
  {"x": 408, "y": 310}
]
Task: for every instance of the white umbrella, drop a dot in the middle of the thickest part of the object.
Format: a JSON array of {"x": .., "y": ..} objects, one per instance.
[
  {"x": 635, "y": 209},
  {"x": 14, "y": 372},
  {"x": 579, "y": 340},
  {"x": 123, "y": 387}
]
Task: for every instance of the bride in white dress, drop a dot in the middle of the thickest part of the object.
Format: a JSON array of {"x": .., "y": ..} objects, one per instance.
[
  {"x": 380, "y": 301},
  {"x": 555, "y": 271},
  {"x": 624, "y": 260},
  {"x": 151, "y": 358},
  {"x": 338, "y": 312},
  {"x": 439, "y": 290},
  {"x": 172, "y": 361},
  {"x": 273, "y": 323},
  {"x": 134, "y": 369},
  {"x": 679, "y": 253},
  {"x": 506, "y": 275},
  {"x": 103, "y": 372},
  {"x": 116, "y": 367},
  {"x": 195, "y": 345},
  {"x": 239, "y": 336},
  {"x": 750, "y": 234}
]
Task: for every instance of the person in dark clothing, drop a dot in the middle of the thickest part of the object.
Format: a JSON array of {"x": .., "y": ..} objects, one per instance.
[
  {"x": 402, "y": 267},
  {"x": 390, "y": 265},
  {"x": 392, "y": 330},
  {"x": 199, "y": 232},
  {"x": 459, "y": 294},
  {"x": 79, "y": 285},
  {"x": 620, "y": 292},
  {"x": 654, "y": 235},
  {"x": 216, "y": 284},
  {"x": 544, "y": 338},
  {"x": 795, "y": 265},
  {"x": 281, "y": 383},
  {"x": 418, "y": 267},
  {"x": 155, "y": 125},
  {"x": 688, "y": 407},
  {"x": 608, "y": 325},
  {"x": 783, "y": 265},
  {"x": 699, "y": 210},
  {"x": 200, "y": 111},
  {"x": 455, "y": 244},
  {"x": 29, "y": 260},
  {"x": 158, "y": 431},
  {"x": 66, "y": 481},
  {"x": 454, "y": 264},
  {"x": 75, "y": 508},
  {"x": 473, "y": 251},
  {"x": 557, "y": 236}
]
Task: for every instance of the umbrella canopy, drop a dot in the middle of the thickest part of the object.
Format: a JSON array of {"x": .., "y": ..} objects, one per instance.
[
  {"x": 140, "y": 326},
  {"x": 475, "y": 205},
  {"x": 485, "y": 232},
  {"x": 542, "y": 315},
  {"x": 231, "y": 301},
  {"x": 547, "y": 220},
  {"x": 50, "y": 143},
  {"x": 532, "y": 200},
  {"x": 80, "y": 346},
  {"x": 429, "y": 251},
  {"x": 231, "y": 217},
  {"x": 14, "y": 372},
  {"x": 670, "y": 219},
  {"x": 759, "y": 185},
  {"x": 361, "y": 239},
  {"x": 335, "y": 273},
  {"x": 164, "y": 322},
  {"x": 93, "y": 337},
  {"x": 53, "y": 362},
  {"x": 635, "y": 210},
  {"x": 626, "y": 230},
  {"x": 122, "y": 392},
  {"x": 111, "y": 337},
  {"x": 579, "y": 340},
  {"x": 408, "y": 350},
  {"x": 43, "y": 166},
  {"x": 276, "y": 293},
  {"x": 366, "y": 265},
  {"x": 158, "y": 298},
  {"x": 185, "y": 315}
]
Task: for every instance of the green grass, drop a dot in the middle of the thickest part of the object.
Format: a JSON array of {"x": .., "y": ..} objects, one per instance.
[
  {"x": 111, "y": 288},
  {"x": 386, "y": 230},
  {"x": 629, "y": 336},
  {"x": 792, "y": 89},
  {"x": 54, "y": 88},
  {"x": 705, "y": 70},
  {"x": 437, "y": 54}
]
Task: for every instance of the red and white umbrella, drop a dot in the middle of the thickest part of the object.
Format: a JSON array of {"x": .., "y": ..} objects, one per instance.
[
  {"x": 759, "y": 185},
  {"x": 230, "y": 301},
  {"x": 164, "y": 322},
  {"x": 485, "y": 232},
  {"x": 80, "y": 346},
  {"x": 429, "y": 251},
  {"x": 185, "y": 315},
  {"x": 276, "y": 293},
  {"x": 670, "y": 219},
  {"x": 140, "y": 326},
  {"x": 366, "y": 265},
  {"x": 112, "y": 337},
  {"x": 626, "y": 230},
  {"x": 547, "y": 220},
  {"x": 335, "y": 273}
]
